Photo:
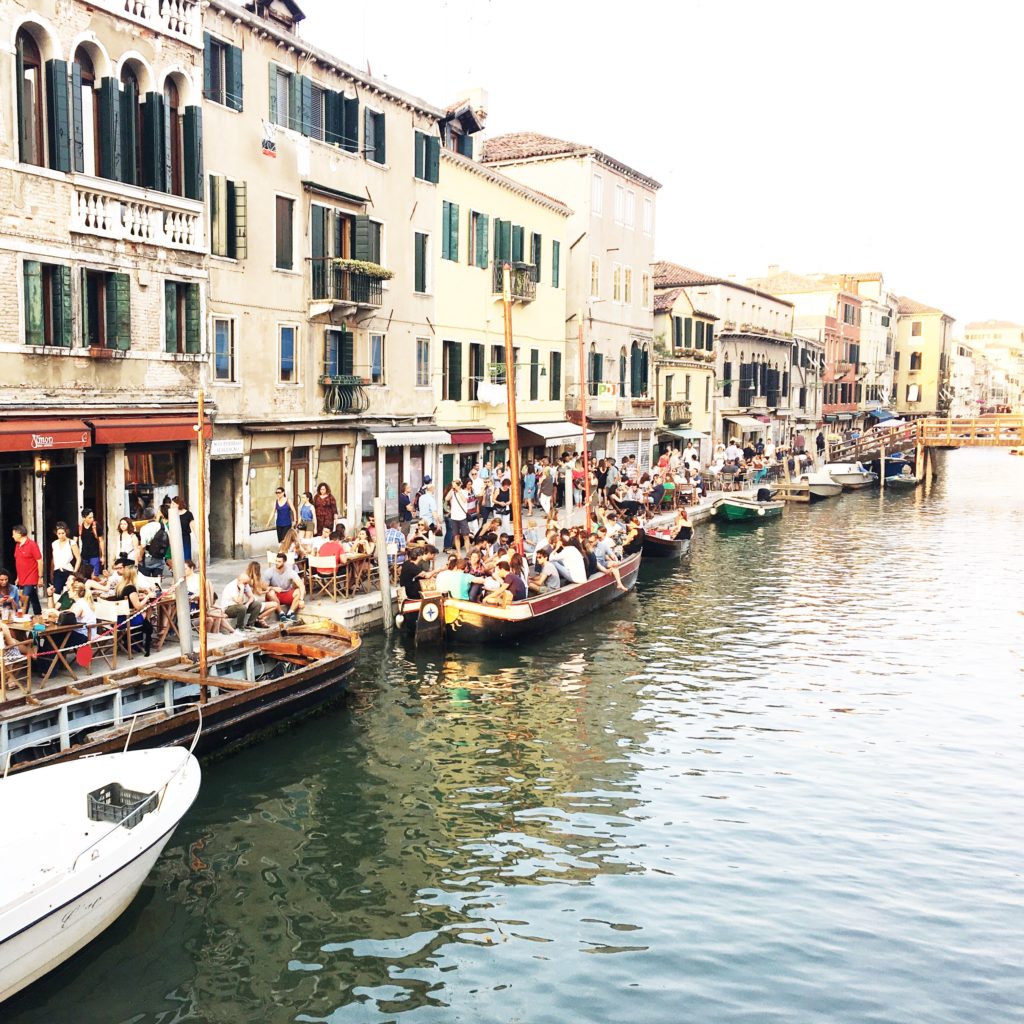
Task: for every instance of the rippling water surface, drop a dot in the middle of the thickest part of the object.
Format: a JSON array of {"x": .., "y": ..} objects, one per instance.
[{"x": 781, "y": 782}]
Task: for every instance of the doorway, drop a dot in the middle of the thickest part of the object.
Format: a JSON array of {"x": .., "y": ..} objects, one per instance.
[
  {"x": 223, "y": 474},
  {"x": 11, "y": 482},
  {"x": 60, "y": 504},
  {"x": 300, "y": 475}
]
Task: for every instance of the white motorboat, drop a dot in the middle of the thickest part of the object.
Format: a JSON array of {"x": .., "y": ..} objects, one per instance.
[
  {"x": 905, "y": 478},
  {"x": 851, "y": 475},
  {"x": 821, "y": 485},
  {"x": 78, "y": 841}
]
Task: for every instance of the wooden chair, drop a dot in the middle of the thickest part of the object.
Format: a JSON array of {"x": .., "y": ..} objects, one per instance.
[
  {"x": 103, "y": 641},
  {"x": 116, "y": 614},
  {"x": 17, "y": 674},
  {"x": 392, "y": 553},
  {"x": 323, "y": 576}
]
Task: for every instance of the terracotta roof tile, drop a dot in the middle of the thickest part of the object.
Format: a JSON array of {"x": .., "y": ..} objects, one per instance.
[
  {"x": 907, "y": 306},
  {"x": 673, "y": 275},
  {"x": 665, "y": 299}
]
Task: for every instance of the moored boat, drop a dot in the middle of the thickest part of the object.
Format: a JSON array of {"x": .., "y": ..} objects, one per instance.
[
  {"x": 665, "y": 544},
  {"x": 821, "y": 486},
  {"x": 852, "y": 475},
  {"x": 740, "y": 508},
  {"x": 906, "y": 478},
  {"x": 78, "y": 842}
]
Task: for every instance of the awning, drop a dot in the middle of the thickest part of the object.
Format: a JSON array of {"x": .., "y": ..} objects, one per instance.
[
  {"x": 683, "y": 435},
  {"x": 43, "y": 435},
  {"x": 472, "y": 435},
  {"x": 400, "y": 438},
  {"x": 762, "y": 418},
  {"x": 881, "y": 414},
  {"x": 545, "y": 435},
  {"x": 142, "y": 429},
  {"x": 746, "y": 422},
  {"x": 843, "y": 416}
]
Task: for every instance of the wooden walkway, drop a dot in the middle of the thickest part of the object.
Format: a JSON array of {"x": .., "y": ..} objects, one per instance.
[{"x": 933, "y": 432}]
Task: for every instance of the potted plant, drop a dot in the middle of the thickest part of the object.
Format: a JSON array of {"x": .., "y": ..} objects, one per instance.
[{"x": 365, "y": 267}]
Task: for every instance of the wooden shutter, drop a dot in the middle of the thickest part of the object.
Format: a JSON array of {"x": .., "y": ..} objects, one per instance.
[
  {"x": 348, "y": 353},
  {"x": 58, "y": 115},
  {"x": 420, "y": 284},
  {"x": 687, "y": 332},
  {"x": 350, "y": 141},
  {"x": 63, "y": 324},
  {"x": 129, "y": 100},
  {"x": 483, "y": 225},
  {"x": 237, "y": 196},
  {"x": 334, "y": 117},
  {"x": 193, "y": 163},
  {"x": 433, "y": 155},
  {"x": 451, "y": 234},
  {"x": 502, "y": 241},
  {"x": 727, "y": 380},
  {"x": 534, "y": 374},
  {"x": 699, "y": 339},
  {"x": 208, "y": 66},
  {"x": 170, "y": 316},
  {"x": 119, "y": 311},
  {"x": 785, "y": 384},
  {"x": 420, "y": 156},
  {"x": 369, "y": 135},
  {"x": 677, "y": 331},
  {"x": 363, "y": 243},
  {"x": 272, "y": 97},
  {"x": 517, "y": 243},
  {"x": 294, "y": 113},
  {"x": 380, "y": 138},
  {"x": 23, "y": 128},
  {"x": 77, "y": 130},
  {"x": 645, "y": 372},
  {"x": 535, "y": 255},
  {"x": 555, "y": 384},
  {"x": 556, "y": 260},
  {"x": 454, "y": 370},
  {"x": 108, "y": 114},
  {"x": 233, "y": 77},
  {"x": 154, "y": 156},
  {"x": 34, "y": 329},
  {"x": 635, "y": 371},
  {"x": 193, "y": 320}
]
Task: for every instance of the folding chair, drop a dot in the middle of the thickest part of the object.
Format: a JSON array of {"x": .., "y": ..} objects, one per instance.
[
  {"x": 323, "y": 576},
  {"x": 118, "y": 615},
  {"x": 17, "y": 674}
]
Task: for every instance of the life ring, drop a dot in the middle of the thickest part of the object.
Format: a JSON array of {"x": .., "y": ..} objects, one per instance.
[{"x": 760, "y": 511}]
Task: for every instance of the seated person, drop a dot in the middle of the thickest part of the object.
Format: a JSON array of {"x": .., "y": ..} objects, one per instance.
[
  {"x": 510, "y": 587},
  {"x": 545, "y": 578},
  {"x": 14, "y": 650},
  {"x": 10, "y": 596},
  {"x": 216, "y": 621},
  {"x": 633, "y": 540},
  {"x": 414, "y": 573},
  {"x": 604, "y": 554},
  {"x": 568, "y": 560},
  {"x": 127, "y": 590},
  {"x": 241, "y": 606},
  {"x": 285, "y": 584}
]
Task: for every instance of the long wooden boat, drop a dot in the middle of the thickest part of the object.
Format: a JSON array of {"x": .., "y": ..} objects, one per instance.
[
  {"x": 251, "y": 685},
  {"x": 436, "y": 617},
  {"x": 663, "y": 544},
  {"x": 739, "y": 508}
]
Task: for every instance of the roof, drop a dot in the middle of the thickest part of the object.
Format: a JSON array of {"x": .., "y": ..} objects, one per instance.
[
  {"x": 977, "y": 325},
  {"x": 515, "y": 147},
  {"x": 502, "y": 179},
  {"x": 907, "y": 306},
  {"x": 674, "y": 275},
  {"x": 664, "y": 300},
  {"x": 785, "y": 282}
]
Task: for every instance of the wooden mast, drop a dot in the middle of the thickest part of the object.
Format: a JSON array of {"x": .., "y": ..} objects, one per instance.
[
  {"x": 583, "y": 417},
  {"x": 513, "y": 426},
  {"x": 201, "y": 522}
]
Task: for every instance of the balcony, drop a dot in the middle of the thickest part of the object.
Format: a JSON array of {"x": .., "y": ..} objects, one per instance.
[
  {"x": 523, "y": 281},
  {"x": 343, "y": 393},
  {"x": 332, "y": 285},
  {"x": 677, "y": 414},
  {"x": 129, "y": 214},
  {"x": 179, "y": 19}
]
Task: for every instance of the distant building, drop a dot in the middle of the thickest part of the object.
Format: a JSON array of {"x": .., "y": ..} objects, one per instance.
[
  {"x": 922, "y": 359},
  {"x": 998, "y": 346},
  {"x": 964, "y": 391}
]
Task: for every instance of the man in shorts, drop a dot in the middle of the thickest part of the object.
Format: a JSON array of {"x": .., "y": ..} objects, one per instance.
[{"x": 287, "y": 584}]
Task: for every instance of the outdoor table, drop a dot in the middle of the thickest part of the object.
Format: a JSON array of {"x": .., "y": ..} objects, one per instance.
[
  {"x": 163, "y": 613},
  {"x": 357, "y": 571},
  {"x": 57, "y": 636}
]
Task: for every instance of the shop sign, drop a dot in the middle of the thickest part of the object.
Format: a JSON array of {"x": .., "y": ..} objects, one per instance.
[
  {"x": 227, "y": 446},
  {"x": 69, "y": 441}
]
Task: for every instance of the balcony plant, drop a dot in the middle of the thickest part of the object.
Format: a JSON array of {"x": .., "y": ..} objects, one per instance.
[{"x": 374, "y": 270}]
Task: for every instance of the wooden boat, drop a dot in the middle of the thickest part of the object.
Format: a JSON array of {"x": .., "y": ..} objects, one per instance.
[
  {"x": 664, "y": 544},
  {"x": 821, "y": 486},
  {"x": 78, "y": 843},
  {"x": 852, "y": 475},
  {"x": 250, "y": 685},
  {"x": 743, "y": 508},
  {"x": 435, "y": 616}
]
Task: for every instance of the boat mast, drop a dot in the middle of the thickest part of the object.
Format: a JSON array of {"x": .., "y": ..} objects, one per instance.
[
  {"x": 513, "y": 426},
  {"x": 583, "y": 418},
  {"x": 201, "y": 523}
]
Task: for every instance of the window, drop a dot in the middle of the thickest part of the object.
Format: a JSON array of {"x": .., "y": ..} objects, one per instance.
[
  {"x": 376, "y": 358},
  {"x": 106, "y": 310},
  {"x": 534, "y": 374},
  {"x": 224, "y": 350},
  {"x": 688, "y": 332},
  {"x": 620, "y": 204},
  {"x": 915, "y": 328},
  {"x": 597, "y": 194},
  {"x": 595, "y": 277},
  {"x": 616, "y": 283},
  {"x": 913, "y": 392},
  {"x": 427, "y": 157},
  {"x": 477, "y": 370},
  {"x": 497, "y": 371},
  {"x": 596, "y": 367},
  {"x": 131, "y": 127},
  {"x": 222, "y": 72},
  {"x": 182, "y": 318},
  {"x": 421, "y": 244},
  {"x": 339, "y": 353},
  {"x": 627, "y": 285},
  {"x": 556, "y": 257},
  {"x": 47, "y": 304},
  {"x": 915, "y": 360},
  {"x": 280, "y": 96},
  {"x": 623, "y": 366},
  {"x": 645, "y": 291},
  {"x": 288, "y": 355},
  {"x": 648, "y": 216},
  {"x": 727, "y": 379},
  {"x": 449, "y": 232},
  {"x": 555, "y": 377},
  {"x": 85, "y": 144},
  {"x": 536, "y": 242},
  {"x": 315, "y": 118},
  {"x": 30, "y": 100},
  {"x": 228, "y": 218},
  {"x": 476, "y": 250},
  {"x": 373, "y": 136},
  {"x": 518, "y": 243},
  {"x": 284, "y": 256},
  {"x": 451, "y": 372},
  {"x": 423, "y": 362},
  {"x": 630, "y": 217},
  {"x": 686, "y": 387},
  {"x": 699, "y": 341},
  {"x": 896, "y": 360},
  {"x": 296, "y": 102}
]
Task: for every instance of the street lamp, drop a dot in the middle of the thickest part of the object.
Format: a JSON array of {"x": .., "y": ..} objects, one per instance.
[{"x": 42, "y": 467}]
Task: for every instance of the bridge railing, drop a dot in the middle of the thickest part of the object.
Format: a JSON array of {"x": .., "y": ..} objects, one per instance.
[{"x": 983, "y": 431}]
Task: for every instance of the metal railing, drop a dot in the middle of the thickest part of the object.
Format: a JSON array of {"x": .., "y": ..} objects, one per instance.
[
  {"x": 524, "y": 287},
  {"x": 329, "y": 282},
  {"x": 678, "y": 413},
  {"x": 343, "y": 393}
]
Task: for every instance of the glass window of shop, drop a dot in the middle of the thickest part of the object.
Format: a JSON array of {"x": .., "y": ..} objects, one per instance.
[
  {"x": 329, "y": 472},
  {"x": 415, "y": 471},
  {"x": 392, "y": 468},
  {"x": 266, "y": 474},
  {"x": 369, "y": 467},
  {"x": 151, "y": 478}
]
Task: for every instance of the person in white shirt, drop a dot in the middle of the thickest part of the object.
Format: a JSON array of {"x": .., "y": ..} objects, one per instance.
[
  {"x": 240, "y": 604},
  {"x": 568, "y": 560}
]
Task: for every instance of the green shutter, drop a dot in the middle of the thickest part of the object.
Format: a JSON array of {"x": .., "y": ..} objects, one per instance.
[
  {"x": 556, "y": 256},
  {"x": 233, "y": 75},
  {"x": 334, "y": 117},
  {"x": 305, "y": 87},
  {"x": 433, "y": 157},
  {"x": 455, "y": 371},
  {"x": 193, "y": 319},
  {"x": 154, "y": 144},
  {"x": 369, "y": 135},
  {"x": 272, "y": 100},
  {"x": 449, "y": 231},
  {"x": 58, "y": 115},
  {"x": 466, "y": 146},
  {"x": 193, "y": 169},
  {"x": 555, "y": 393},
  {"x": 351, "y": 131},
  {"x": 129, "y": 169},
  {"x": 207, "y": 66},
  {"x": 699, "y": 339},
  {"x": 688, "y": 332},
  {"x": 34, "y": 331},
  {"x": 170, "y": 316},
  {"x": 295, "y": 103},
  {"x": 517, "y": 243},
  {"x": 87, "y": 338},
  {"x": 363, "y": 243},
  {"x": 380, "y": 135},
  {"x": 348, "y": 353},
  {"x": 420, "y": 156},
  {"x": 502, "y": 241},
  {"x": 536, "y": 243},
  {"x": 77, "y": 124},
  {"x": 420, "y": 245},
  {"x": 635, "y": 371},
  {"x": 119, "y": 311},
  {"x": 534, "y": 374},
  {"x": 237, "y": 195},
  {"x": 482, "y": 235},
  {"x": 108, "y": 115},
  {"x": 62, "y": 319}
]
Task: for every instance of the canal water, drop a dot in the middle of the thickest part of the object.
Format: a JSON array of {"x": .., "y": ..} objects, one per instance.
[{"x": 780, "y": 782}]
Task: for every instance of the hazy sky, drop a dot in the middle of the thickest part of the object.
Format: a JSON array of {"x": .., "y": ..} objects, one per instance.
[{"x": 875, "y": 135}]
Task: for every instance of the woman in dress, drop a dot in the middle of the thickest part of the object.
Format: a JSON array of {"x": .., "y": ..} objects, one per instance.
[
  {"x": 186, "y": 519},
  {"x": 126, "y": 542},
  {"x": 65, "y": 557},
  {"x": 326, "y": 508}
]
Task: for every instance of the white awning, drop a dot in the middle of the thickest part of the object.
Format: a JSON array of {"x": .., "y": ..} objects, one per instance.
[
  {"x": 747, "y": 423},
  {"x": 400, "y": 438},
  {"x": 555, "y": 433}
]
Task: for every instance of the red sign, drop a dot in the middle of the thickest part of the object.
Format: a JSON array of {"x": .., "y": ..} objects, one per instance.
[{"x": 43, "y": 435}]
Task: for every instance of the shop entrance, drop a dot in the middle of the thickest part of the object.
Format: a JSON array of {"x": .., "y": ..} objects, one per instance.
[
  {"x": 60, "y": 504},
  {"x": 222, "y": 507},
  {"x": 10, "y": 513}
]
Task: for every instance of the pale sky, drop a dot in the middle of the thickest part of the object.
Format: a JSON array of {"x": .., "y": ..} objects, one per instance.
[{"x": 817, "y": 135}]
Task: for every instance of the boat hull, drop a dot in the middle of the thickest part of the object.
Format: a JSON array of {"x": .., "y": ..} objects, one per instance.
[
  {"x": 821, "y": 491},
  {"x": 739, "y": 510},
  {"x": 664, "y": 547},
  {"x": 468, "y": 622}
]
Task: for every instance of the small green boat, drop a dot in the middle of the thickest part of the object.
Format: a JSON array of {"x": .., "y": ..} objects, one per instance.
[{"x": 741, "y": 508}]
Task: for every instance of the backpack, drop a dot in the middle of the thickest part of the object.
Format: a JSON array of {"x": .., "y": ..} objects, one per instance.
[{"x": 157, "y": 547}]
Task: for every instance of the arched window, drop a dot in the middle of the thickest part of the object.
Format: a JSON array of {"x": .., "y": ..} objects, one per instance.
[
  {"x": 622, "y": 371},
  {"x": 172, "y": 114},
  {"x": 30, "y": 100},
  {"x": 635, "y": 369},
  {"x": 131, "y": 128},
  {"x": 645, "y": 359},
  {"x": 595, "y": 376},
  {"x": 86, "y": 139}
]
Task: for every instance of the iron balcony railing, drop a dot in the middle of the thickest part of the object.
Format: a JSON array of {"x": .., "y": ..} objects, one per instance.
[
  {"x": 523, "y": 281},
  {"x": 331, "y": 283},
  {"x": 677, "y": 413},
  {"x": 343, "y": 393}
]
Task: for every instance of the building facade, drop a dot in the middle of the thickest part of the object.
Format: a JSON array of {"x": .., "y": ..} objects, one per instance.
[
  {"x": 922, "y": 359},
  {"x": 998, "y": 347}
]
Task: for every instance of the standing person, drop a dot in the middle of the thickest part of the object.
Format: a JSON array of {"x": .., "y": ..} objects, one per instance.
[
  {"x": 503, "y": 503},
  {"x": 799, "y": 443},
  {"x": 819, "y": 442},
  {"x": 307, "y": 515},
  {"x": 90, "y": 542},
  {"x": 326, "y": 508},
  {"x": 404, "y": 509},
  {"x": 459, "y": 517},
  {"x": 28, "y": 564},
  {"x": 65, "y": 557},
  {"x": 529, "y": 486},
  {"x": 546, "y": 488},
  {"x": 427, "y": 507},
  {"x": 611, "y": 479},
  {"x": 283, "y": 516},
  {"x": 185, "y": 519},
  {"x": 126, "y": 541}
]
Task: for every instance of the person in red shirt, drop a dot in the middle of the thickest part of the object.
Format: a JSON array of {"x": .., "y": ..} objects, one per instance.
[
  {"x": 28, "y": 563},
  {"x": 333, "y": 548}
]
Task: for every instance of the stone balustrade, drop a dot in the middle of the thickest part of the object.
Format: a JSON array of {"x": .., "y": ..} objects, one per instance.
[
  {"x": 181, "y": 19},
  {"x": 137, "y": 215}
]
